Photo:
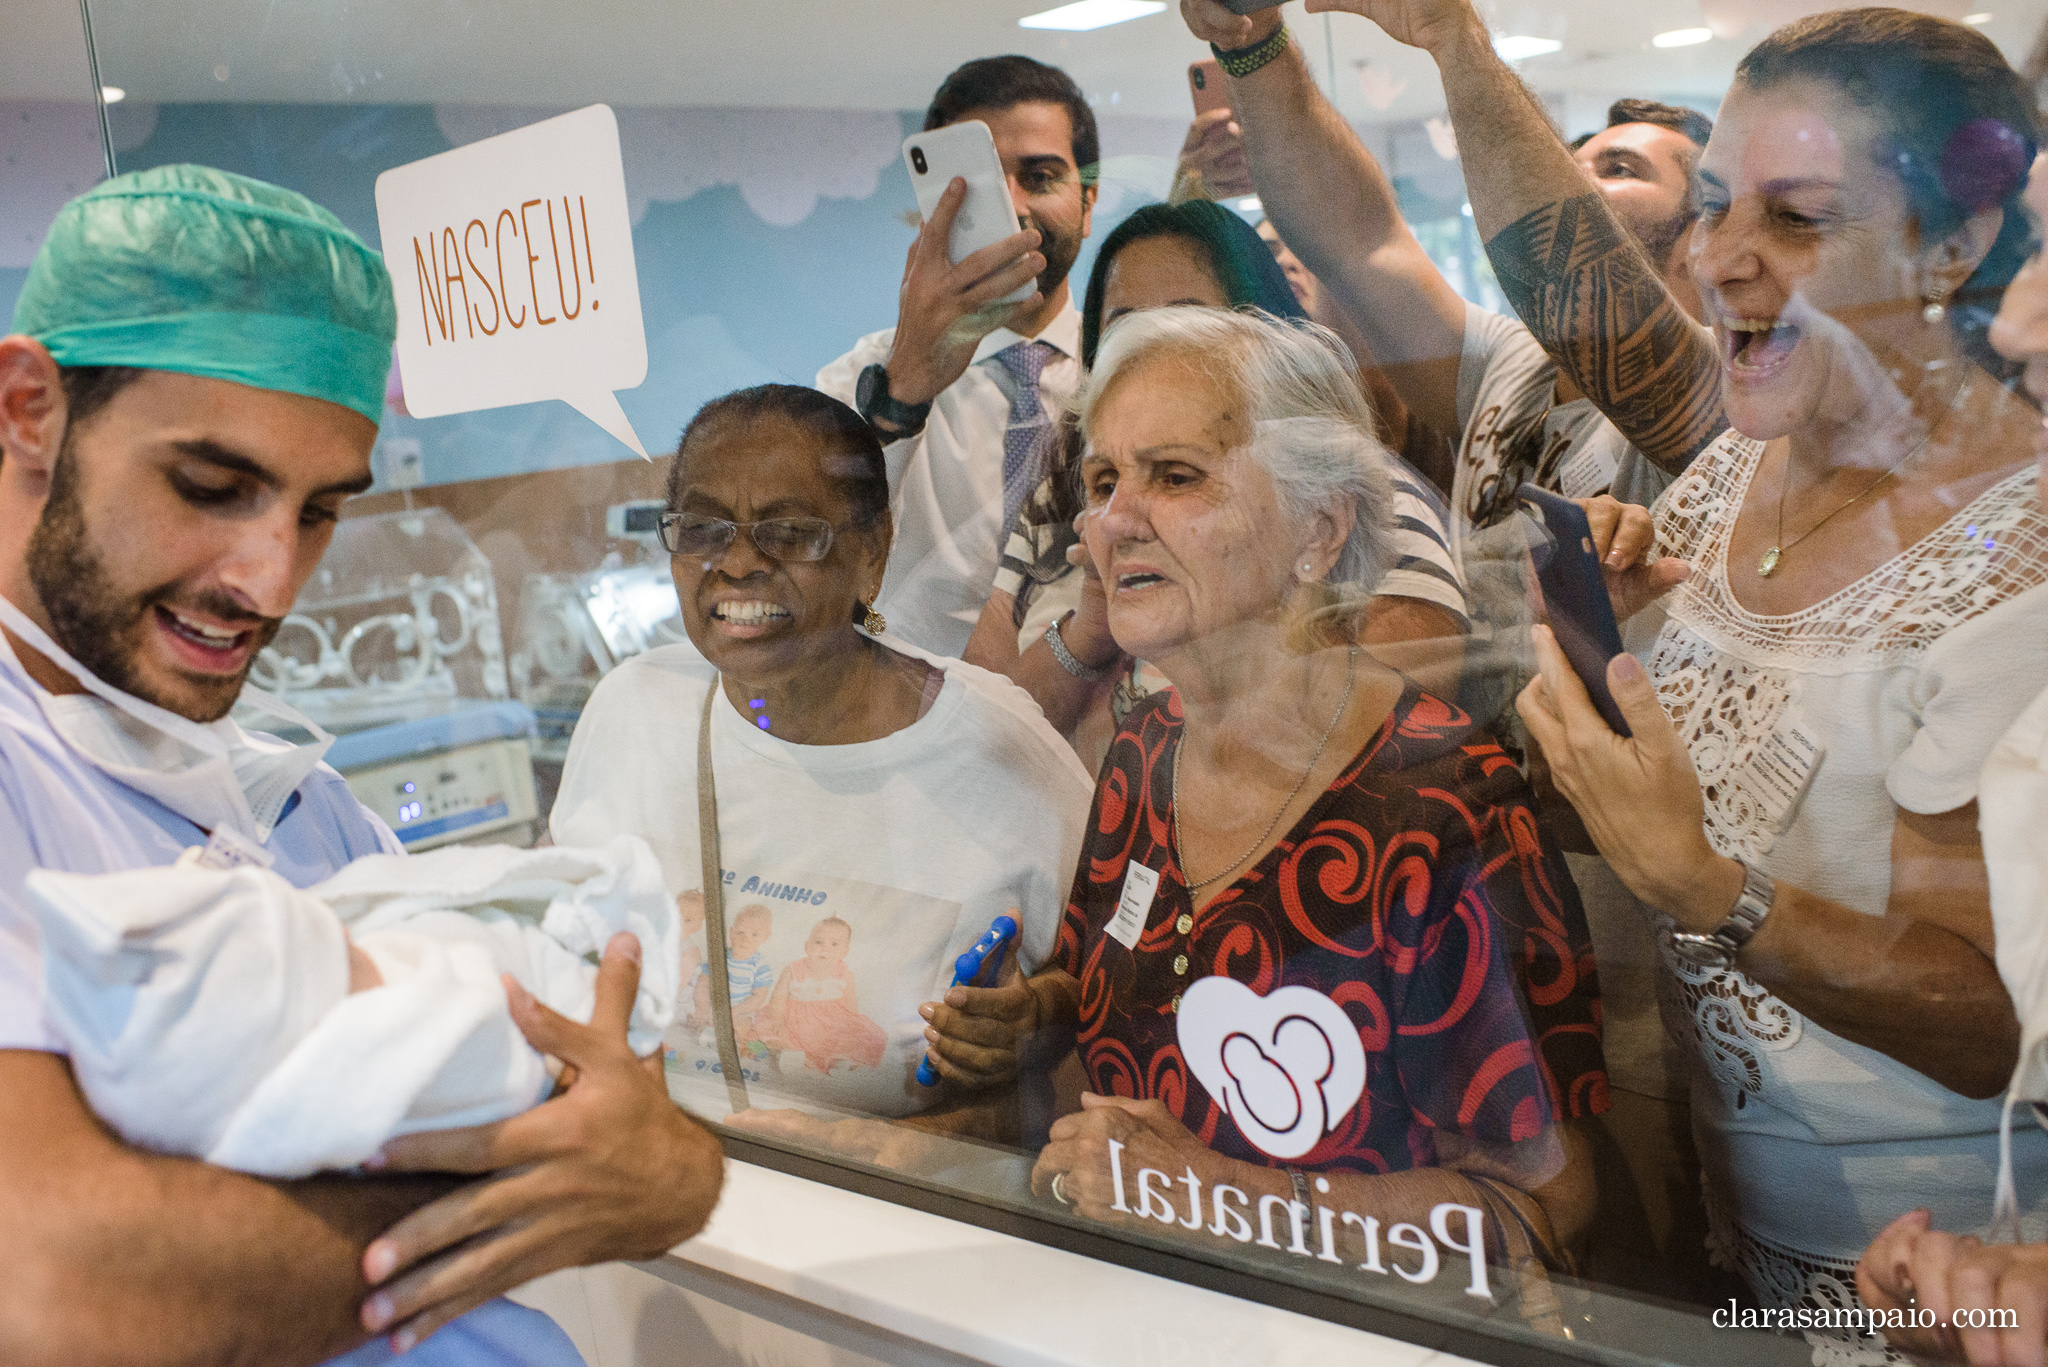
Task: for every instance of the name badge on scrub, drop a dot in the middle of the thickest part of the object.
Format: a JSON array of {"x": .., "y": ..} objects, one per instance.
[
  {"x": 229, "y": 849},
  {"x": 1140, "y": 883}
]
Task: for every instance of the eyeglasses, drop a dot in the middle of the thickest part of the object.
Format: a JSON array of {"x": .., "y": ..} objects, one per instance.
[{"x": 778, "y": 538}]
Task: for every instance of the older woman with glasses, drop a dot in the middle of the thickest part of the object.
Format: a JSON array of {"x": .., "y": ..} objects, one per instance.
[{"x": 876, "y": 808}]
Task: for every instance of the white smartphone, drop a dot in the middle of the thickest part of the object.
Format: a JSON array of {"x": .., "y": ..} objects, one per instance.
[{"x": 986, "y": 217}]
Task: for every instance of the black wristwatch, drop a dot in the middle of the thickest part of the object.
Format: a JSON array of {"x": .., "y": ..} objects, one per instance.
[{"x": 891, "y": 418}]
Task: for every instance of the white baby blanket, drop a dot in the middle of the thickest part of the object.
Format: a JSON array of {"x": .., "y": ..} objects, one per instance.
[{"x": 207, "y": 1011}]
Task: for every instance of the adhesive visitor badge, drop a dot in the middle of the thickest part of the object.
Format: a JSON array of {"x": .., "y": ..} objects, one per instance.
[{"x": 511, "y": 261}]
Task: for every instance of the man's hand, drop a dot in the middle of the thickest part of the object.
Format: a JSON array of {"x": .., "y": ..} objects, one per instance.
[
  {"x": 609, "y": 1168},
  {"x": 1431, "y": 25},
  {"x": 1212, "y": 160},
  {"x": 1212, "y": 23},
  {"x": 944, "y": 310}
]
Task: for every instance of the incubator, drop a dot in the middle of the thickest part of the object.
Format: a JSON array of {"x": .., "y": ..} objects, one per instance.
[
  {"x": 394, "y": 645},
  {"x": 573, "y": 628}
]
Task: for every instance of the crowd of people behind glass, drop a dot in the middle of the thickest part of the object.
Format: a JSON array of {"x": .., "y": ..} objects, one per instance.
[
  {"x": 1382, "y": 913},
  {"x": 1289, "y": 761}
]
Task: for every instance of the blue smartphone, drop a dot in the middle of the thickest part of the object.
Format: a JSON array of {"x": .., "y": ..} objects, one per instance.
[
  {"x": 1575, "y": 596},
  {"x": 985, "y": 954}
]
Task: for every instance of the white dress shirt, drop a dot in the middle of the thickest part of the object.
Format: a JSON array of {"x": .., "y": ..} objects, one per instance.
[{"x": 946, "y": 483}]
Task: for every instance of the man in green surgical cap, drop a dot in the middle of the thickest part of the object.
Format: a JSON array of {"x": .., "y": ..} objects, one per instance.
[{"x": 191, "y": 393}]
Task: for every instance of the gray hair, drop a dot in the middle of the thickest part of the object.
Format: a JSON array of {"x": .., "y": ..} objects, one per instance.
[{"x": 1312, "y": 430}]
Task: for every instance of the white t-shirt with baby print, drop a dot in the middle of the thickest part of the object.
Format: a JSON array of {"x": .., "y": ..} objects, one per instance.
[{"x": 871, "y": 867}]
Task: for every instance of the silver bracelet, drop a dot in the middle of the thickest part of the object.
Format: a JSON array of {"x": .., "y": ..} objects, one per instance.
[{"x": 1066, "y": 657}]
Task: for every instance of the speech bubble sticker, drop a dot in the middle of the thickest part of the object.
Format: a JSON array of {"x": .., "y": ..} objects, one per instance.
[{"x": 512, "y": 262}]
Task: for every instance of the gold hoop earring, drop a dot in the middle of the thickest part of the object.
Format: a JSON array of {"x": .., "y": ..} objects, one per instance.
[{"x": 874, "y": 623}]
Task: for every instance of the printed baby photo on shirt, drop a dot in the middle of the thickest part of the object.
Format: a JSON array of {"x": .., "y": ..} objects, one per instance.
[{"x": 824, "y": 976}]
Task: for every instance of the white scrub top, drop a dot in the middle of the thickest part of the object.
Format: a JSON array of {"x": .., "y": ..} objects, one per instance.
[{"x": 60, "y": 811}]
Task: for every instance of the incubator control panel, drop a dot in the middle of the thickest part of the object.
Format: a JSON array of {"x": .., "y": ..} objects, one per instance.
[{"x": 452, "y": 795}]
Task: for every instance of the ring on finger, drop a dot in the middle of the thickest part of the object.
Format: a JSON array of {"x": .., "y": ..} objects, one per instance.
[{"x": 1059, "y": 1193}]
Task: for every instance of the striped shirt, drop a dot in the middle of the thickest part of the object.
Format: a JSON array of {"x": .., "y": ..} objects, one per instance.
[{"x": 744, "y": 977}]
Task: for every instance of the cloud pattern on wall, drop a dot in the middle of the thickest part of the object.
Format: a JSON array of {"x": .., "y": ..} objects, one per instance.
[
  {"x": 50, "y": 152},
  {"x": 782, "y": 160}
]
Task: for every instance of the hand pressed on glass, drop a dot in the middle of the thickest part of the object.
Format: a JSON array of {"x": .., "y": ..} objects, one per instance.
[
  {"x": 609, "y": 1168},
  {"x": 1149, "y": 1137},
  {"x": 883, "y": 1143},
  {"x": 1913, "y": 1268}
]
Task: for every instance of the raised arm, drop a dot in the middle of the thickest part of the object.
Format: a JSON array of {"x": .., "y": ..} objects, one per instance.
[
  {"x": 1336, "y": 209},
  {"x": 123, "y": 1257},
  {"x": 1577, "y": 279}
]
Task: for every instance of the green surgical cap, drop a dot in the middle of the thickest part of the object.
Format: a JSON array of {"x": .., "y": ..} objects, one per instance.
[{"x": 191, "y": 269}]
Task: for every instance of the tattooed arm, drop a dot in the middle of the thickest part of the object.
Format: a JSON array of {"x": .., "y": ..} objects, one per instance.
[
  {"x": 1335, "y": 208},
  {"x": 1574, "y": 274}
]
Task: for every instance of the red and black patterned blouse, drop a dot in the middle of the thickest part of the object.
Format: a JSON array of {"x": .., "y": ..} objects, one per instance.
[{"x": 1417, "y": 893}]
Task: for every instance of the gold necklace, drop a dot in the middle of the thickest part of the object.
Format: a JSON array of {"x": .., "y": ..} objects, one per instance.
[
  {"x": 1350, "y": 677},
  {"x": 1771, "y": 557}
]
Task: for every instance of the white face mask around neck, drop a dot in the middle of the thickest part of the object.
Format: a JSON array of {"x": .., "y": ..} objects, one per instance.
[{"x": 213, "y": 774}]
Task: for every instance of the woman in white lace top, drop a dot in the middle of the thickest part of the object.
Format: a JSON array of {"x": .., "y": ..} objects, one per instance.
[{"x": 1865, "y": 615}]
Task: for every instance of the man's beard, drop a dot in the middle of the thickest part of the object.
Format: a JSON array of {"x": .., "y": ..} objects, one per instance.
[
  {"x": 105, "y": 631},
  {"x": 1659, "y": 235},
  {"x": 1060, "y": 255}
]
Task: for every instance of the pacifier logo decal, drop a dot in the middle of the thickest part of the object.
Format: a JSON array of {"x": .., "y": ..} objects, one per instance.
[{"x": 1286, "y": 1067}]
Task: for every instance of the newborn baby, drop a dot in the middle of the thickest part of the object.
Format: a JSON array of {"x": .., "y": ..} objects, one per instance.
[{"x": 226, "y": 1015}]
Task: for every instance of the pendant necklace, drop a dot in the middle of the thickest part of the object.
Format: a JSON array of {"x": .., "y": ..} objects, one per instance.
[
  {"x": 1350, "y": 677},
  {"x": 1771, "y": 557}
]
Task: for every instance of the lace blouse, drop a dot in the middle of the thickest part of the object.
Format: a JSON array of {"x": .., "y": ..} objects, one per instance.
[{"x": 1807, "y": 729}]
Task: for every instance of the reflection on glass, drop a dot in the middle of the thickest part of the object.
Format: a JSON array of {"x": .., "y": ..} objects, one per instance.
[{"x": 1371, "y": 962}]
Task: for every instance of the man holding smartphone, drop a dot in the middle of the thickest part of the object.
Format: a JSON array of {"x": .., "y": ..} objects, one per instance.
[{"x": 962, "y": 390}]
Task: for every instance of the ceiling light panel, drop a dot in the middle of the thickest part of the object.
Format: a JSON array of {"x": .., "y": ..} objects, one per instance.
[
  {"x": 1517, "y": 47},
  {"x": 1083, "y": 15},
  {"x": 1683, "y": 37}
]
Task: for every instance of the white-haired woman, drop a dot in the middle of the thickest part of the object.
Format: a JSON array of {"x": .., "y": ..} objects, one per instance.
[{"x": 1295, "y": 817}]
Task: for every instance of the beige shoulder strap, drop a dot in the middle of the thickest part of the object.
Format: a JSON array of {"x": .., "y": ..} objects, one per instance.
[{"x": 714, "y": 910}]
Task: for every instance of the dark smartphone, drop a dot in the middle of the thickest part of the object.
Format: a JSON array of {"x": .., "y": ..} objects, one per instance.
[
  {"x": 1249, "y": 6},
  {"x": 1205, "y": 84},
  {"x": 1575, "y": 596}
]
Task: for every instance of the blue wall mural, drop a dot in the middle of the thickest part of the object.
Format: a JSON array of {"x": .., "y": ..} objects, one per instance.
[{"x": 766, "y": 240}]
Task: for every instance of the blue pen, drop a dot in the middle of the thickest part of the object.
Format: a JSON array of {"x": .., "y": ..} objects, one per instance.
[{"x": 966, "y": 969}]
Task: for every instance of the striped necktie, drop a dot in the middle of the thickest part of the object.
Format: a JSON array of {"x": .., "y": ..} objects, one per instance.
[{"x": 1024, "y": 441}]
